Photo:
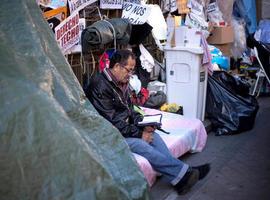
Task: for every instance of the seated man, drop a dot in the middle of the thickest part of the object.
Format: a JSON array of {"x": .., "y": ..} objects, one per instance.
[{"x": 109, "y": 93}]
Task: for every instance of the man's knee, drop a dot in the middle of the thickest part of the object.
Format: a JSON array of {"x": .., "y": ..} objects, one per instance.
[{"x": 138, "y": 145}]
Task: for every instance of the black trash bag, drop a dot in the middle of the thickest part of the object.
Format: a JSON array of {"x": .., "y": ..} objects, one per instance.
[
  {"x": 233, "y": 83},
  {"x": 156, "y": 100},
  {"x": 229, "y": 112}
]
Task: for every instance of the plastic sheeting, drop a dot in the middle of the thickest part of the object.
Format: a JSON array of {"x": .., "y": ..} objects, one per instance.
[
  {"x": 229, "y": 106},
  {"x": 263, "y": 32},
  {"x": 53, "y": 144},
  {"x": 246, "y": 9},
  {"x": 239, "y": 44},
  {"x": 226, "y": 7}
]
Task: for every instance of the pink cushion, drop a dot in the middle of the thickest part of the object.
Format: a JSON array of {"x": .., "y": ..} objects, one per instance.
[{"x": 186, "y": 135}]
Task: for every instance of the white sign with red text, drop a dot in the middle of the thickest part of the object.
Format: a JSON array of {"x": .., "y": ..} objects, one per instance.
[
  {"x": 67, "y": 33},
  {"x": 77, "y": 48}
]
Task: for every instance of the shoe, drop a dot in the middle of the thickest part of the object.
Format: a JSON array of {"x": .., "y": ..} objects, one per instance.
[
  {"x": 203, "y": 170},
  {"x": 189, "y": 179}
]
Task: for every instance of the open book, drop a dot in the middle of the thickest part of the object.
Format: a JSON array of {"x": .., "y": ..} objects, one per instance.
[{"x": 151, "y": 120}]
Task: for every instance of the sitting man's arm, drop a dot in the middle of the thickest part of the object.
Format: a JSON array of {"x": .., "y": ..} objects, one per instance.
[{"x": 105, "y": 106}]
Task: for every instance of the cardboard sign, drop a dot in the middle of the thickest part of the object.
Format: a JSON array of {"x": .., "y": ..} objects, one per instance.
[
  {"x": 77, "y": 5},
  {"x": 111, "y": 4},
  {"x": 67, "y": 32},
  {"x": 135, "y": 13},
  {"x": 77, "y": 48}
]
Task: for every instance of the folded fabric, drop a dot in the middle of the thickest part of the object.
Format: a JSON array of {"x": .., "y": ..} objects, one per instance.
[
  {"x": 104, "y": 32},
  {"x": 207, "y": 57},
  {"x": 135, "y": 83},
  {"x": 147, "y": 61},
  {"x": 142, "y": 74}
]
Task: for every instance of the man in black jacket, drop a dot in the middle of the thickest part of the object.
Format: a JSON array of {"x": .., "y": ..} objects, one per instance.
[{"x": 109, "y": 93}]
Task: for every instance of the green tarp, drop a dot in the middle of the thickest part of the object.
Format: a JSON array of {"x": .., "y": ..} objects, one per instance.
[{"x": 53, "y": 144}]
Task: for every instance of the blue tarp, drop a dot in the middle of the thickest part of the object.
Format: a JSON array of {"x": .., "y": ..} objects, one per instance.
[
  {"x": 246, "y": 9},
  {"x": 53, "y": 143}
]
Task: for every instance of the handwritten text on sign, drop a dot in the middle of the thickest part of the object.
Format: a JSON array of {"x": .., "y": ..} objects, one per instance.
[
  {"x": 67, "y": 32},
  {"x": 136, "y": 14}
]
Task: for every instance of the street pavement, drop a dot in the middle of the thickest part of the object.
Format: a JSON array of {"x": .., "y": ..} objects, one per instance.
[{"x": 240, "y": 165}]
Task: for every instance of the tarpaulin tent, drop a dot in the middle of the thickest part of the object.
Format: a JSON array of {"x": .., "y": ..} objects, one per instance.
[{"x": 53, "y": 144}]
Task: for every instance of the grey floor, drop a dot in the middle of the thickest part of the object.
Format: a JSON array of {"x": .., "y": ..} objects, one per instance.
[{"x": 240, "y": 165}]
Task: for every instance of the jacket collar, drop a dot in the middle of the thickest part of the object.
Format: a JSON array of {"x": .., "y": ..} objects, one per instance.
[
  {"x": 111, "y": 78},
  {"x": 108, "y": 75}
]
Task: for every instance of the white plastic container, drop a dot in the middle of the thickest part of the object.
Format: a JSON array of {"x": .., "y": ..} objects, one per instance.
[
  {"x": 187, "y": 37},
  {"x": 186, "y": 80}
]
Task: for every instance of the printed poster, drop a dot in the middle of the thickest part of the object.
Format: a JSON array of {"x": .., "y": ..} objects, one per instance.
[
  {"x": 67, "y": 33},
  {"x": 77, "y": 48}
]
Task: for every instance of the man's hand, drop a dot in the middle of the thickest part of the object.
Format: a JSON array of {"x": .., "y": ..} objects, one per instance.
[{"x": 147, "y": 134}]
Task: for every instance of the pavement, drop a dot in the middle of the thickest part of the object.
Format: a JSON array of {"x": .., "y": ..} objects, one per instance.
[{"x": 240, "y": 165}]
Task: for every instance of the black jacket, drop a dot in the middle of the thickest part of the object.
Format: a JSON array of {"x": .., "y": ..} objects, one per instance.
[{"x": 114, "y": 105}]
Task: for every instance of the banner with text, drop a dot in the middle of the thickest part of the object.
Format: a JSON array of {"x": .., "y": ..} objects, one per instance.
[
  {"x": 111, "y": 4},
  {"x": 135, "y": 13},
  {"x": 67, "y": 33},
  {"x": 77, "y": 48},
  {"x": 77, "y": 5}
]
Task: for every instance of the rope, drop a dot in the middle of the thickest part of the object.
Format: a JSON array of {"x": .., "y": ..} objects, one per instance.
[{"x": 114, "y": 34}]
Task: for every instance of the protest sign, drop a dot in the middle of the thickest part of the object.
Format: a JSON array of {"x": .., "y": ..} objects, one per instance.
[
  {"x": 111, "y": 4},
  {"x": 135, "y": 13},
  {"x": 77, "y": 48},
  {"x": 67, "y": 32},
  {"x": 77, "y": 5},
  {"x": 134, "y": 1},
  {"x": 170, "y": 5},
  {"x": 173, "y": 6}
]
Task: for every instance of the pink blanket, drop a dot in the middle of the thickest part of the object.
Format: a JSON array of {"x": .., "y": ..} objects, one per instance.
[{"x": 186, "y": 135}]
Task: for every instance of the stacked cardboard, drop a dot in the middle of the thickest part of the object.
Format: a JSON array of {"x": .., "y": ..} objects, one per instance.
[{"x": 222, "y": 38}]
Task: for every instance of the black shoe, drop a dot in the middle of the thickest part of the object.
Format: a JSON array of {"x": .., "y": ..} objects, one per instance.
[
  {"x": 190, "y": 178},
  {"x": 203, "y": 170}
]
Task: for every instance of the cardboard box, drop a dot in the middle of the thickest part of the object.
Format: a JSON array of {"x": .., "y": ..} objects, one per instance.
[
  {"x": 225, "y": 49},
  {"x": 221, "y": 35}
]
